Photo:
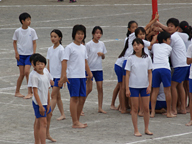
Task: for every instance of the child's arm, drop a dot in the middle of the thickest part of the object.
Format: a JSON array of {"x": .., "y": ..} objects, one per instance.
[
  {"x": 15, "y": 48},
  {"x": 48, "y": 65},
  {"x": 48, "y": 102},
  {"x": 152, "y": 42},
  {"x": 150, "y": 81},
  {"x": 41, "y": 108},
  {"x": 189, "y": 61},
  {"x": 89, "y": 73},
  {"x": 153, "y": 21},
  {"x": 101, "y": 54},
  {"x": 63, "y": 78},
  {"x": 162, "y": 26},
  {"x": 127, "y": 84},
  {"x": 34, "y": 46}
]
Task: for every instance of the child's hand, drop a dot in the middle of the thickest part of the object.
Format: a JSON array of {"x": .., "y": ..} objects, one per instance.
[
  {"x": 89, "y": 76},
  {"x": 156, "y": 16},
  {"x": 148, "y": 90},
  {"x": 52, "y": 82},
  {"x": 100, "y": 54},
  {"x": 42, "y": 110},
  {"x": 128, "y": 93},
  {"x": 64, "y": 85},
  {"x": 17, "y": 56}
]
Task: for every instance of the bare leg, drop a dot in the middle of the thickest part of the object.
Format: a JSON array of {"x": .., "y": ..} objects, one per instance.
[
  {"x": 100, "y": 96},
  {"x": 54, "y": 95},
  {"x": 80, "y": 106},
  {"x": 26, "y": 73},
  {"x": 190, "y": 105},
  {"x": 174, "y": 96},
  {"x": 48, "y": 125},
  {"x": 115, "y": 93},
  {"x": 182, "y": 97},
  {"x": 145, "y": 101},
  {"x": 186, "y": 87},
  {"x": 60, "y": 106},
  {"x": 36, "y": 131},
  {"x": 140, "y": 107},
  {"x": 19, "y": 81},
  {"x": 29, "y": 95},
  {"x": 153, "y": 101},
  {"x": 135, "y": 104},
  {"x": 122, "y": 95},
  {"x": 42, "y": 131}
]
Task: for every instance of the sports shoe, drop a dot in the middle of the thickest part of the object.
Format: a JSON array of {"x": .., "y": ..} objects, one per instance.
[{"x": 72, "y": 1}]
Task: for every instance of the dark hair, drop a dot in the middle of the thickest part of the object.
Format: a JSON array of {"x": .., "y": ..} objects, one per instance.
[
  {"x": 24, "y": 16},
  {"x": 95, "y": 28},
  {"x": 186, "y": 28},
  {"x": 140, "y": 41},
  {"x": 33, "y": 56},
  {"x": 129, "y": 26},
  {"x": 137, "y": 31},
  {"x": 174, "y": 21},
  {"x": 39, "y": 58},
  {"x": 59, "y": 33},
  {"x": 163, "y": 36},
  {"x": 125, "y": 48},
  {"x": 78, "y": 28}
]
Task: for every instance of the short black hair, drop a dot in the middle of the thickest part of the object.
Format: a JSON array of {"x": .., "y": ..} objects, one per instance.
[
  {"x": 174, "y": 21},
  {"x": 95, "y": 28},
  {"x": 33, "y": 56},
  {"x": 138, "y": 30},
  {"x": 78, "y": 28},
  {"x": 24, "y": 16},
  {"x": 39, "y": 58},
  {"x": 59, "y": 33},
  {"x": 163, "y": 36}
]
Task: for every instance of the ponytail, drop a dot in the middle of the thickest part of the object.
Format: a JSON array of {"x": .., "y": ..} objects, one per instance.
[
  {"x": 186, "y": 28},
  {"x": 125, "y": 48}
]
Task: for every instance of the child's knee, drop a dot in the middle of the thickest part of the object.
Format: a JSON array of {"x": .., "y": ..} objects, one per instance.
[
  {"x": 26, "y": 73},
  {"x": 134, "y": 109},
  {"x": 43, "y": 122}
]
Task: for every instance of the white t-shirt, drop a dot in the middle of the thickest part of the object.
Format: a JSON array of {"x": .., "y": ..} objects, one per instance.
[
  {"x": 161, "y": 95},
  {"x": 138, "y": 68},
  {"x": 25, "y": 38},
  {"x": 45, "y": 70},
  {"x": 120, "y": 61},
  {"x": 75, "y": 56},
  {"x": 55, "y": 57},
  {"x": 95, "y": 61},
  {"x": 189, "y": 55},
  {"x": 178, "y": 54},
  {"x": 161, "y": 53},
  {"x": 42, "y": 82},
  {"x": 185, "y": 38}
]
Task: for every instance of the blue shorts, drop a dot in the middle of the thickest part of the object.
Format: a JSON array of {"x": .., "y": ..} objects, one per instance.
[
  {"x": 77, "y": 87},
  {"x": 97, "y": 75},
  {"x": 179, "y": 74},
  {"x": 159, "y": 105},
  {"x": 23, "y": 60},
  {"x": 123, "y": 66},
  {"x": 136, "y": 91},
  {"x": 190, "y": 85},
  {"x": 188, "y": 73},
  {"x": 56, "y": 82},
  {"x": 161, "y": 75},
  {"x": 36, "y": 110},
  {"x": 119, "y": 72}
]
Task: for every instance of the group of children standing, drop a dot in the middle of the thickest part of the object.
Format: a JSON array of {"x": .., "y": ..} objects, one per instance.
[{"x": 140, "y": 68}]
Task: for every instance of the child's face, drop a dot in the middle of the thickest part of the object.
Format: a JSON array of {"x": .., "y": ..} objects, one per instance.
[
  {"x": 133, "y": 27},
  {"x": 55, "y": 38},
  {"x": 39, "y": 67},
  {"x": 97, "y": 35},
  {"x": 141, "y": 35},
  {"x": 137, "y": 47},
  {"x": 172, "y": 28},
  {"x": 168, "y": 41},
  {"x": 26, "y": 22},
  {"x": 79, "y": 36}
]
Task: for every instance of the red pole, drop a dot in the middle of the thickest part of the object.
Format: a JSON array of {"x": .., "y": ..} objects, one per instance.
[{"x": 154, "y": 8}]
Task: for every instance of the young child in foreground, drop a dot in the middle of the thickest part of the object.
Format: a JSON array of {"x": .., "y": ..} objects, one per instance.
[
  {"x": 24, "y": 43},
  {"x": 40, "y": 82},
  {"x": 138, "y": 83},
  {"x": 75, "y": 63}
]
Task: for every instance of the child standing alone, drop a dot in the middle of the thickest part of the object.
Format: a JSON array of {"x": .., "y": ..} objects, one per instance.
[
  {"x": 96, "y": 51},
  {"x": 24, "y": 43}
]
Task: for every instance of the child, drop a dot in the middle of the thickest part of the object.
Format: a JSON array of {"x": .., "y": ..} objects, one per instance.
[
  {"x": 96, "y": 51},
  {"x": 75, "y": 62},
  {"x": 41, "y": 98},
  {"x": 33, "y": 56},
  {"x": 139, "y": 83},
  {"x": 189, "y": 61},
  {"x": 24, "y": 43},
  {"x": 161, "y": 71},
  {"x": 55, "y": 56},
  {"x": 178, "y": 60}
]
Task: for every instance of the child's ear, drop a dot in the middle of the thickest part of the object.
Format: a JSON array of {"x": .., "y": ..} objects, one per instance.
[{"x": 22, "y": 21}]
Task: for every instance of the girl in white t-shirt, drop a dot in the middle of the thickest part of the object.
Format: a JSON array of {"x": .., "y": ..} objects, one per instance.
[
  {"x": 138, "y": 82},
  {"x": 55, "y": 63},
  {"x": 96, "y": 51}
]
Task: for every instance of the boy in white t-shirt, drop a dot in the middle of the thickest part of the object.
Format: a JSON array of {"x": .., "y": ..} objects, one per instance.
[
  {"x": 24, "y": 43},
  {"x": 178, "y": 60},
  {"x": 40, "y": 82},
  {"x": 75, "y": 62},
  {"x": 161, "y": 71}
]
